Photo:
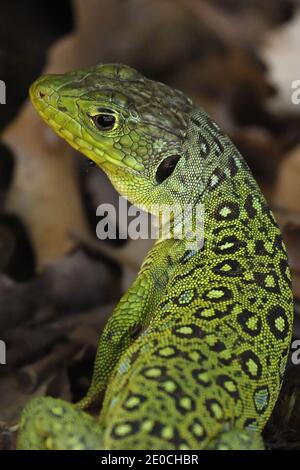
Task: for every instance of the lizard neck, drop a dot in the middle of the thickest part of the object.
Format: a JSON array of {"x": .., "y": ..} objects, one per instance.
[
  {"x": 233, "y": 204},
  {"x": 233, "y": 207}
]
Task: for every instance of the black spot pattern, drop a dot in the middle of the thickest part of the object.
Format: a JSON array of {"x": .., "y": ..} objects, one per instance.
[
  {"x": 218, "y": 294},
  {"x": 232, "y": 166},
  {"x": 268, "y": 281},
  {"x": 228, "y": 268},
  {"x": 260, "y": 248},
  {"x": 261, "y": 399},
  {"x": 198, "y": 430},
  {"x": 210, "y": 314},
  {"x": 127, "y": 428},
  {"x": 186, "y": 297},
  {"x": 249, "y": 207},
  {"x": 215, "y": 409},
  {"x": 216, "y": 179},
  {"x": 189, "y": 331},
  {"x": 229, "y": 244},
  {"x": 250, "y": 322},
  {"x": 285, "y": 272},
  {"x": 251, "y": 365},
  {"x": 227, "y": 211},
  {"x": 278, "y": 322},
  {"x": 202, "y": 377},
  {"x": 229, "y": 385},
  {"x": 134, "y": 401}
]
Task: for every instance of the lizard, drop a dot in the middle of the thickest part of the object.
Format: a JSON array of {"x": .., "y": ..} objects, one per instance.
[{"x": 194, "y": 354}]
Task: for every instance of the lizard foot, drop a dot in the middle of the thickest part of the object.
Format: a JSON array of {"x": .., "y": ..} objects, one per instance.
[
  {"x": 238, "y": 439},
  {"x": 52, "y": 424}
]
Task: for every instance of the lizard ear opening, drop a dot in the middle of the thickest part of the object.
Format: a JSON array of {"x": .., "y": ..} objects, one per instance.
[{"x": 166, "y": 168}]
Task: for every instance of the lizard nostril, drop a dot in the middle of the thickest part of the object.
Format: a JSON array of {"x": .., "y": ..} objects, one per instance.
[{"x": 42, "y": 94}]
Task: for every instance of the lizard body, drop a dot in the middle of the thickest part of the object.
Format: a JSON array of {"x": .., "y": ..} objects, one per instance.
[{"x": 194, "y": 354}]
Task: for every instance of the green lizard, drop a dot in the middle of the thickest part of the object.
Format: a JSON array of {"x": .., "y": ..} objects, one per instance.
[{"x": 193, "y": 356}]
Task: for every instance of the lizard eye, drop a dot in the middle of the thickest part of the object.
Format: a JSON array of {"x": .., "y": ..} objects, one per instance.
[
  {"x": 166, "y": 168},
  {"x": 104, "y": 122}
]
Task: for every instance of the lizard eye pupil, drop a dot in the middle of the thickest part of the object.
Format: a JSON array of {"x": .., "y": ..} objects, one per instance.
[
  {"x": 104, "y": 122},
  {"x": 166, "y": 168}
]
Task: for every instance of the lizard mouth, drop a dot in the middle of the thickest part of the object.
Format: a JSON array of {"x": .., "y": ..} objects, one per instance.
[{"x": 45, "y": 100}]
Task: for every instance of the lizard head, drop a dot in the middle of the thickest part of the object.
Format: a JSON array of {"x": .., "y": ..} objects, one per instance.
[{"x": 132, "y": 127}]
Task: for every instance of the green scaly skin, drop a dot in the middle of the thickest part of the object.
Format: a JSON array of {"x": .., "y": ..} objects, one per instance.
[{"x": 194, "y": 354}]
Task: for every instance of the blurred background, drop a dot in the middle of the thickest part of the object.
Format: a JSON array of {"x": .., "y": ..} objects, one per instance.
[{"x": 239, "y": 59}]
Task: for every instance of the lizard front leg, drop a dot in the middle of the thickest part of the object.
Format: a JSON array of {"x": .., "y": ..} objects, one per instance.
[
  {"x": 129, "y": 319},
  {"x": 50, "y": 424}
]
